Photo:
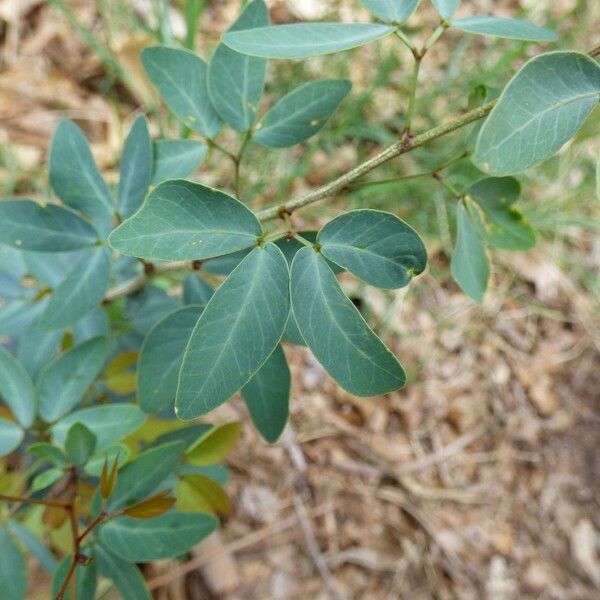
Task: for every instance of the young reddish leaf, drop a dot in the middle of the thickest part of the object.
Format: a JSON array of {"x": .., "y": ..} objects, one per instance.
[
  {"x": 108, "y": 480},
  {"x": 151, "y": 507}
]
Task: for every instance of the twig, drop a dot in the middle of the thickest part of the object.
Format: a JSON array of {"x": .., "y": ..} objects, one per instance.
[{"x": 41, "y": 501}]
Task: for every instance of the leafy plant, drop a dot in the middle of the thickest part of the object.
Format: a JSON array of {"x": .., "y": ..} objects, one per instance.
[{"x": 101, "y": 365}]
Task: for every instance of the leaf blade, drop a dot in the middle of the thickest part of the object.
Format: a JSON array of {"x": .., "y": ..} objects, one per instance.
[
  {"x": 16, "y": 388},
  {"x": 391, "y": 11},
  {"x": 512, "y": 29}
]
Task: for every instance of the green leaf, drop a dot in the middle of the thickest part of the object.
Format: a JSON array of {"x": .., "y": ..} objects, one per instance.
[
  {"x": 34, "y": 545},
  {"x": 46, "y": 478},
  {"x": 80, "y": 292},
  {"x": 336, "y": 332},
  {"x": 109, "y": 423},
  {"x": 145, "y": 473},
  {"x": 36, "y": 348},
  {"x": 48, "y": 452},
  {"x": 11, "y": 435},
  {"x": 214, "y": 445},
  {"x": 16, "y": 388},
  {"x": 27, "y": 225},
  {"x": 267, "y": 396},
  {"x": 543, "y": 106},
  {"x": 502, "y": 225},
  {"x": 446, "y": 8},
  {"x": 75, "y": 178},
  {"x": 469, "y": 265},
  {"x": 378, "y": 247},
  {"x": 301, "y": 40},
  {"x": 180, "y": 77},
  {"x": 176, "y": 158},
  {"x": 63, "y": 382},
  {"x": 196, "y": 290},
  {"x": 252, "y": 304},
  {"x": 80, "y": 444},
  {"x": 166, "y": 536},
  {"x": 301, "y": 113},
  {"x": 236, "y": 81},
  {"x": 391, "y": 11},
  {"x": 161, "y": 356},
  {"x": 126, "y": 577},
  {"x": 512, "y": 29},
  {"x": 13, "y": 570},
  {"x": 181, "y": 220},
  {"x": 136, "y": 168},
  {"x": 86, "y": 576},
  {"x": 199, "y": 493}
]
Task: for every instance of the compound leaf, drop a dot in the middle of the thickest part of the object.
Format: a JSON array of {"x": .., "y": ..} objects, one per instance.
[
  {"x": 469, "y": 264},
  {"x": 176, "y": 158},
  {"x": 301, "y": 40},
  {"x": 171, "y": 534},
  {"x": 13, "y": 570},
  {"x": 63, "y": 382},
  {"x": 301, "y": 113},
  {"x": 136, "y": 168},
  {"x": 267, "y": 396},
  {"x": 236, "y": 81},
  {"x": 181, "y": 220},
  {"x": 336, "y": 332},
  {"x": 252, "y": 304},
  {"x": 513, "y": 29},
  {"x": 16, "y": 388},
  {"x": 75, "y": 178},
  {"x": 376, "y": 246},
  {"x": 543, "y": 106},
  {"x": 161, "y": 355},
  {"x": 180, "y": 77},
  {"x": 391, "y": 11},
  {"x": 28, "y": 225}
]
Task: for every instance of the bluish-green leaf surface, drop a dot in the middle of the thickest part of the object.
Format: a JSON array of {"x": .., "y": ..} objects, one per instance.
[
  {"x": 336, "y": 332},
  {"x": 267, "y": 396},
  {"x": 181, "y": 220},
  {"x": 50, "y": 268},
  {"x": 469, "y": 265},
  {"x": 238, "y": 330},
  {"x": 160, "y": 358},
  {"x": 63, "y": 382},
  {"x": 11, "y": 435},
  {"x": 176, "y": 158},
  {"x": 145, "y": 473},
  {"x": 446, "y": 8},
  {"x": 391, "y": 11},
  {"x": 34, "y": 545},
  {"x": 16, "y": 388},
  {"x": 513, "y": 29},
  {"x": 75, "y": 178},
  {"x": 36, "y": 348},
  {"x": 80, "y": 292},
  {"x": 145, "y": 540},
  {"x": 301, "y": 113},
  {"x": 136, "y": 168},
  {"x": 13, "y": 570},
  {"x": 86, "y": 580},
  {"x": 28, "y": 225},
  {"x": 196, "y": 290},
  {"x": 502, "y": 226},
  {"x": 109, "y": 423},
  {"x": 79, "y": 444},
  {"x": 301, "y": 40},
  {"x": 236, "y": 81},
  {"x": 126, "y": 576},
  {"x": 541, "y": 108},
  {"x": 378, "y": 247},
  {"x": 180, "y": 77}
]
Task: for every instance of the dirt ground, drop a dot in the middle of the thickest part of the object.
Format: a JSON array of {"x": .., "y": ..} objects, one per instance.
[{"x": 481, "y": 479}]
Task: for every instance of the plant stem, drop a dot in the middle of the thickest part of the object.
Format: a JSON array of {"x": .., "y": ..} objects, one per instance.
[
  {"x": 212, "y": 144},
  {"x": 458, "y": 195},
  {"x": 410, "y": 111},
  {"x": 238, "y": 162},
  {"x": 402, "y": 36}
]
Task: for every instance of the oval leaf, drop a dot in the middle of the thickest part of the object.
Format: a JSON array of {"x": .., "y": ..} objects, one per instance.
[
  {"x": 161, "y": 355},
  {"x": 11, "y": 435},
  {"x": 267, "y": 396},
  {"x": 63, "y": 382},
  {"x": 391, "y": 11},
  {"x": 27, "y": 225},
  {"x": 214, "y": 445},
  {"x": 336, "y": 332},
  {"x": 180, "y": 77},
  {"x": 376, "y": 246},
  {"x": 80, "y": 444},
  {"x": 126, "y": 577},
  {"x": 301, "y": 113},
  {"x": 512, "y": 29},
  {"x": 75, "y": 178},
  {"x": 13, "y": 570},
  {"x": 16, "y": 388},
  {"x": 176, "y": 158},
  {"x": 446, "y": 8},
  {"x": 181, "y": 220},
  {"x": 301, "y": 40},
  {"x": 252, "y": 304},
  {"x": 166, "y": 536},
  {"x": 236, "y": 81},
  {"x": 543, "y": 106}
]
